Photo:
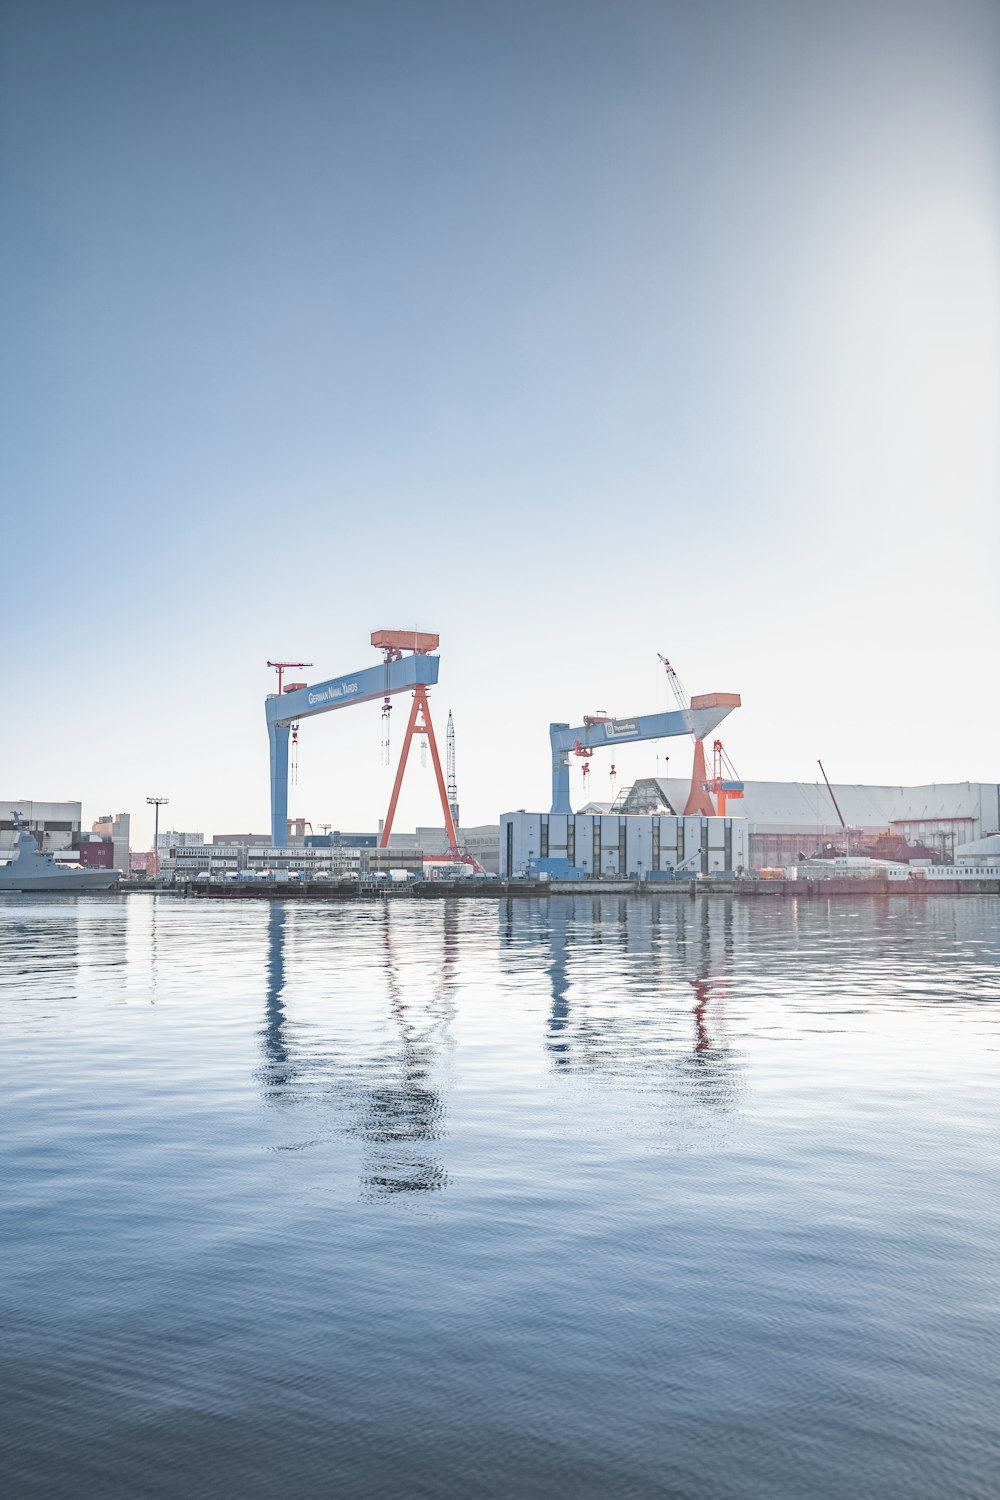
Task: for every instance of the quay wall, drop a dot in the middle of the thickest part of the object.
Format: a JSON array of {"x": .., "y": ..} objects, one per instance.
[{"x": 751, "y": 890}]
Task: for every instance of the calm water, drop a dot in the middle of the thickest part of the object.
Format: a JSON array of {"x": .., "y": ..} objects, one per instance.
[{"x": 576, "y": 1198}]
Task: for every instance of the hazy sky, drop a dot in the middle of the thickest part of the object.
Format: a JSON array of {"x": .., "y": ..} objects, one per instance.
[{"x": 573, "y": 331}]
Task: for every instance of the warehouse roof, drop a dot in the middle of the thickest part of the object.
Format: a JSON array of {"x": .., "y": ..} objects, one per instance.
[
  {"x": 772, "y": 806},
  {"x": 961, "y": 799}
]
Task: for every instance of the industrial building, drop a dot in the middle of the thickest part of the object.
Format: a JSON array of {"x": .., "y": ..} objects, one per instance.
[
  {"x": 113, "y": 829},
  {"x": 188, "y": 861},
  {"x": 980, "y": 852},
  {"x": 105, "y": 847},
  {"x": 482, "y": 842},
  {"x": 56, "y": 825},
  {"x": 619, "y": 846},
  {"x": 789, "y": 818},
  {"x": 173, "y": 839},
  {"x": 306, "y": 861},
  {"x": 336, "y": 838}
]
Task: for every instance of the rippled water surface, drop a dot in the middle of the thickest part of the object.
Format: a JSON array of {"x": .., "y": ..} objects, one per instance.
[{"x": 573, "y": 1197}]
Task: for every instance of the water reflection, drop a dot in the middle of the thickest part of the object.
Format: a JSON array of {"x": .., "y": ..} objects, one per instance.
[
  {"x": 392, "y": 1105},
  {"x": 402, "y": 1118},
  {"x": 703, "y": 992},
  {"x": 275, "y": 1043},
  {"x": 40, "y": 938},
  {"x": 73, "y": 946},
  {"x": 593, "y": 1313},
  {"x": 557, "y": 1042},
  {"x": 622, "y": 976}
]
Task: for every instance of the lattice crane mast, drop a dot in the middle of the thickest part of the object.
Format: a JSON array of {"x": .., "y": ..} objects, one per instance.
[{"x": 680, "y": 694}]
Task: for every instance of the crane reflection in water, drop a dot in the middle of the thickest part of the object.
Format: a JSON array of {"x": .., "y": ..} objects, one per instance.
[
  {"x": 637, "y": 992},
  {"x": 388, "y": 1100}
]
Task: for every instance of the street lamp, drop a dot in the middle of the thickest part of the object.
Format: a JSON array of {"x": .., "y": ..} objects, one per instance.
[{"x": 156, "y": 803}]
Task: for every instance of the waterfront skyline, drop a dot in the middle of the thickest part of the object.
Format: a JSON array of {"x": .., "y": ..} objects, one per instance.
[{"x": 573, "y": 333}]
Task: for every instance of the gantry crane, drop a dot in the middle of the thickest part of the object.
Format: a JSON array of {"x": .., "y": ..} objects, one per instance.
[
  {"x": 699, "y": 717},
  {"x": 408, "y": 665}
]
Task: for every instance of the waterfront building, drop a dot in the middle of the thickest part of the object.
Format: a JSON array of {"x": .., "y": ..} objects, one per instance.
[
  {"x": 787, "y": 819},
  {"x": 618, "y": 846},
  {"x": 173, "y": 840},
  {"x": 113, "y": 828},
  {"x": 480, "y": 840},
  {"x": 55, "y": 825},
  {"x": 186, "y": 862}
]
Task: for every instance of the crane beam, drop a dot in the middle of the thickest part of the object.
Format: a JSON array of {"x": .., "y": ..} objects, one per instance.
[
  {"x": 608, "y": 732},
  {"x": 357, "y": 687}
]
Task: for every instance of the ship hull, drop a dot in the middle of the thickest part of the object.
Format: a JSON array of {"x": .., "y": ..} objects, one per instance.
[
  {"x": 30, "y": 870},
  {"x": 70, "y": 883}
]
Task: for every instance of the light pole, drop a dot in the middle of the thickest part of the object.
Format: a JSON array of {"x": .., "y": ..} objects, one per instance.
[{"x": 156, "y": 803}]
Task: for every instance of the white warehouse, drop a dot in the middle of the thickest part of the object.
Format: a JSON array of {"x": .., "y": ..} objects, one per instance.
[{"x": 616, "y": 845}]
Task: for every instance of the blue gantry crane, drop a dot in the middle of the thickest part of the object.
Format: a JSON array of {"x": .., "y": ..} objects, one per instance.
[
  {"x": 407, "y": 666},
  {"x": 699, "y": 719}
]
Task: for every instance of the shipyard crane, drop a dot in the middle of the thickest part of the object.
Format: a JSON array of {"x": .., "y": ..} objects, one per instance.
[
  {"x": 408, "y": 665},
  {"x": 699, "y": 717},
  {"x": 725, "y": 783},
  {"x": 698, "y": 800}
]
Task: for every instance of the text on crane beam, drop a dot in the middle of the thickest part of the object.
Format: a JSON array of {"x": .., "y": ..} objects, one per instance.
[{"x": 332, "y": 693}]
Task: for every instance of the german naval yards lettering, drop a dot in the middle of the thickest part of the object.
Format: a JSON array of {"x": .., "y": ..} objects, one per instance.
[{"x": 336, "y": 690}]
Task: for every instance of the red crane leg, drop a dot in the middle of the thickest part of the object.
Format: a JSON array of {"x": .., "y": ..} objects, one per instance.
[
  {"x": 698, "y": 799},
  {"x": 407, "y": 737},
  {"x": 420, "y": 711}
]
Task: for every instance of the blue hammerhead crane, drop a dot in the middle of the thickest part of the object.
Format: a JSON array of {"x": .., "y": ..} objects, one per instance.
[{"x": 699, "y": 719}]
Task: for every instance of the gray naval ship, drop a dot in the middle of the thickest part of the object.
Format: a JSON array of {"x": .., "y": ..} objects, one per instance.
[{"x": 30, "y": 870}]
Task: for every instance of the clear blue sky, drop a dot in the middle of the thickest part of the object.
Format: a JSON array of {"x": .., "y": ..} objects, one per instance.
[{"x": 573, "y": 331}]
